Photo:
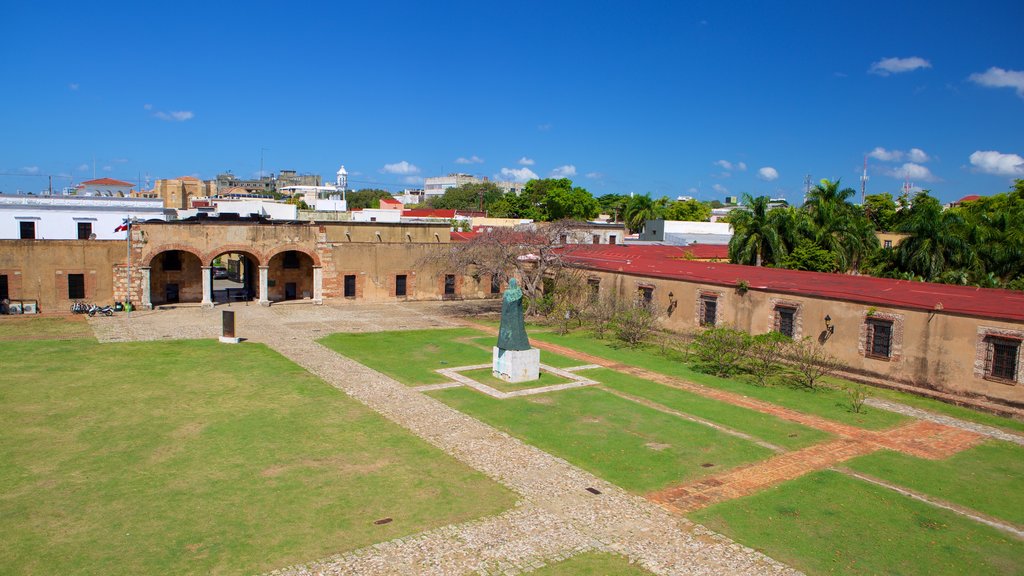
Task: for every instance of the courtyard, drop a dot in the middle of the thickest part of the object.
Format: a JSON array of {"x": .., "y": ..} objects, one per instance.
[{"x": 368, "y": 440}]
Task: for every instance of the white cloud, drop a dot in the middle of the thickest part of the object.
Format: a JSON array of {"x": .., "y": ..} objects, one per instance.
[
  {"x": 996, "y": 77},
  {"x": 564, "y": 171},
  {"x": 524, "y": 161},
  {"x": 517, "y": 174},
  {"x": 412, "y": 180},
  {"x": 30, "y": 169},
  {"x": 108, "y": 168},
  {"x": 147, "y": 106},
  {"x": 73, "y": 86},
  {"x": 741, "y": 166},
  {"x": 594, "y": 175},
  {"x": 992, "y": 162},
  {"x": 120, "y": 160},
  {"x": 471, "y": 160},
  {"x": 83, "y": 167},
  {"x": 917, "y": 155},
  {"x": 720, "y": 189},
  {"x": 887, "y": 66},
  {"x": 174, "y": 115},
  {"x": 768, "y": 174},
  {"x": 912, "y": 171},
  {"x": 544, "y": 127},
  {"x": 402, "y": 167},
  {"x": 724, "y": 164}
]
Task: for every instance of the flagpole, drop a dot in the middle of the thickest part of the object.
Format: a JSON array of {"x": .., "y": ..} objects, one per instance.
[{"x": 128, "y": 291}]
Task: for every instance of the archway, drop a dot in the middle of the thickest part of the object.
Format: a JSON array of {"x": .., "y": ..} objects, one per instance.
[
  {"x": 234, "y": 277},
  {"x": 175, "y": 276},
  {"x": 290, "y": 276}
]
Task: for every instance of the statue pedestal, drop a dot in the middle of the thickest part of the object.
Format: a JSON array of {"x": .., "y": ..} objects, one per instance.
[{"x": 516, "y": 365}]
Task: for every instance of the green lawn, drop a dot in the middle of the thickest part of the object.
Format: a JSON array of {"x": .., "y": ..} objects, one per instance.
[
  {"x": 988, "y": 478},
  {"x": 486, "y": 376},
  {"x": 827, "y": 403},
  {"x": 412, "y": 356},
  {"x": 829, "y": 523},
  {"x": 592, "y": 564},
  {"x": 17, "y": 328},
  {"x": 763, "y": 426},
  {"x": 633, "y": 446},
  {"x": 197, "y": 457}
]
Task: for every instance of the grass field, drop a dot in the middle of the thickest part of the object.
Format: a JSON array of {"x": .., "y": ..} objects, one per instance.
[
  {"x": 763, "y": 426},
  {"x": 195, "y": 457},
  {"x": 988, "y": 478},
  {"x": 633, "y": 446},
  {"x": 486, "y": 376},
  {"x": 16, "y": 328},
  {"x": 412, "y": 356},
  {"x": 592, "y": 564},
  {"x": 829, "y": 523}
]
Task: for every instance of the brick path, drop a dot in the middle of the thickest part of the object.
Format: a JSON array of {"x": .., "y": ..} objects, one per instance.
[{"x": 556, "y": 518}]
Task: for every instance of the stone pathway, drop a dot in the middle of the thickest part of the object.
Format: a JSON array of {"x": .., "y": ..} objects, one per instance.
[
  {"x": 563, "y": 509},
  {"x": 990, "y": 431},
  {"x": 575, "y": 381}
]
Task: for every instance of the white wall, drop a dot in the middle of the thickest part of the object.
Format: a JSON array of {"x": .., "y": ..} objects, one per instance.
[{"x": 57, "y": 217}]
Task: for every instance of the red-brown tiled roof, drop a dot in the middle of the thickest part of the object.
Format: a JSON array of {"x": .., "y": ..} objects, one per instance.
[
  {"x": 107, "y": 182},
  {"x": 428, "y": 213},
  {"x": 970, "y": 198},
  {"x": 464, "y": 236},
  {"x": 389, "y": 201},
  {"x": 670, "y": 262}
]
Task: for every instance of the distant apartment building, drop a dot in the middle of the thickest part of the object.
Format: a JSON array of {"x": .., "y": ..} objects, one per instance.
[
  {"x": 436, "y": 185},
  {"x": 104, "y": 187},
  {"x": 72, "y": 217},
  {"x": 178, "y": 193}
]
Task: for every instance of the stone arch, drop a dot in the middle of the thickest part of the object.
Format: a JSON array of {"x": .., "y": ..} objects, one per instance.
[
  {"x": 249, "y": 249},
  {"x": 242, "y": 279},
  {"x": 151, "y": 254},
  {"x": 296, "y": 248},
  {"x": 291, "y": 276},
  {"x": 174, "y": 275}
]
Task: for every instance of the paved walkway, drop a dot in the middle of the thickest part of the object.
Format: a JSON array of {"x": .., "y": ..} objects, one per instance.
[{"x": 559, "y": 514}]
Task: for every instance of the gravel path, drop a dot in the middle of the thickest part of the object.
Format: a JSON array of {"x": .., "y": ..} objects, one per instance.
[{"x": 556, "y": 518}]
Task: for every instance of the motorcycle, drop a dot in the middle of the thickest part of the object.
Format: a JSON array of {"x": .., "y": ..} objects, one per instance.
[
  {"x": 79, "y": 307},
  {"x": 104, "y": 310}
]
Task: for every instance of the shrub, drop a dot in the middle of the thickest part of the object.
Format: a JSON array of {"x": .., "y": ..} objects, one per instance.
[
  {"x": 858, "y": 395},
  {"x": 634, "y": 323},
  {"x": 763, "y": 356},
  {"x": 810, "y": 362},
  {"x": 720, "y": 350}
]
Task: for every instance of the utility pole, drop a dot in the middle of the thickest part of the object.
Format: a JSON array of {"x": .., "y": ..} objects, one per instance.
[{"x": 864, "y": 181}]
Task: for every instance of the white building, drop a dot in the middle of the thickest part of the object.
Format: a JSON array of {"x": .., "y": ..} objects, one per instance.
[
  {"x": 72, "y": 217},
  {"x": 436, "y": 185},
  {"x": 683, "y": 233}
]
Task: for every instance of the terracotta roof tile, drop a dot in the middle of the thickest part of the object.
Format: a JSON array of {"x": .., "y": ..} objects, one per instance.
[{"x": 107, "y": 182}]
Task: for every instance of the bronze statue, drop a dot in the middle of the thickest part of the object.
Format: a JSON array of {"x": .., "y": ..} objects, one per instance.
[{"x": 512, "y": 331}]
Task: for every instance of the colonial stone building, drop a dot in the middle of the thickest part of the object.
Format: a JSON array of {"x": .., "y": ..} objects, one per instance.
[{"x": 961, "y": 340}]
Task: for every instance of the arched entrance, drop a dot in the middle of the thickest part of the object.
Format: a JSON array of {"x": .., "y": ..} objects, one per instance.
[
  {"x": 290, "y": 276},
  {"x": 234, "y": 277},
  {"x": 175, "y": 276}
]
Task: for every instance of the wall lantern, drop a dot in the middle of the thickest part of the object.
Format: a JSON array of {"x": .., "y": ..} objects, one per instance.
[{"x": 829, "y": 326}]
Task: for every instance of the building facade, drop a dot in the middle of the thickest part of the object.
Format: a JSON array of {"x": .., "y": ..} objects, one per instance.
[{"x": 72, "y": 217}]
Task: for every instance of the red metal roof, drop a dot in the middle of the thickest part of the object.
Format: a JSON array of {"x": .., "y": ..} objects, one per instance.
[
  {"x": 429, "y": 213},
  {"x": 389, "y": 201},
  {"x": 970, "y": 198},
  {"x": 107, "y": 182},
  {"x": 464, "y": 236},
  {"x": 670, "y": 262}
]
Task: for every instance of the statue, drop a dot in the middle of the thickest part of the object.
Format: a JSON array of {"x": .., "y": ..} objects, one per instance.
[{"x": 512, "y": 330}]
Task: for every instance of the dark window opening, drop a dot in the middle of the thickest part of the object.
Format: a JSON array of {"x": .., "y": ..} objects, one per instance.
[
  {"x": 611, "y": 239},
  {"x": 28, "y": 230},
  {"x": 400, "y": 285},
  {"x": 449, "y": 284},
  {"x": 4, "y": 294},
  {"x": 172, "y": 261},
  {"x": 595, "y": 288},
  {"x": 1004, "y": 355},
  {"x": 879, "y": 338},
  {"x": 171, "y": 294},
  {"x": 76, "y": 286},
  {"x": 84, "y": 230},
  {"x": 786, "y": 320},
  {"x": 708, "y": 310},
  {"x": 646, "y": 294},
  {"x": 597, "y": 238},
  {"x": 887, "y": 244},
  {"x": 291, "y": 259},
  {"x": 291, "y": 291},
  {"x": 350, "y": 286},
  {"x": 563, "y": 239},
  {"x": 495, "y": 284}
]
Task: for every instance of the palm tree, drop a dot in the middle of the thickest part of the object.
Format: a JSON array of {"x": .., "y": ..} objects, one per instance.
[
  {"x": 937, "y": 243},
  {"x": 838, "y": 226},
  {"x": 640, "y": 209},
  {"x": 755, "y": 233}
]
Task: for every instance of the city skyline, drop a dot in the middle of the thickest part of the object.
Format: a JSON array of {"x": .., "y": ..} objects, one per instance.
[{"x": 703, "y": 100}]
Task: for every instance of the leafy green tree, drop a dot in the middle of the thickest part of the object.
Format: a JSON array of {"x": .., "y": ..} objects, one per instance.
[
  {"x": 614, "y": 205},
  {"x": 639, "y": 209},
  {"x": 515, "y": 206},
  {"x": 468, "y": 196},
  {"x": 881, "y": 210},
  {"x": 809, "y": 256},
  {"x": 688, "y": 210},
  {"x": 755, "y": 234},
  {"x": 838, "y": 226},
  {"x": 569, "y": 203},
  {"x": 366, "y": 198},
  {"x": 937, "y": 242},
  {"x": 995, "y": 230}
]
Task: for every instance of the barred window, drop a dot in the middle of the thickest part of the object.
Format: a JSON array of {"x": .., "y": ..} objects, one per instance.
[
  {"x": 879, "y": 338},
  {"x": 785, "y": 320},
  {"x": 708, "y": 310},
  {"x": 1001, "y": 358}
]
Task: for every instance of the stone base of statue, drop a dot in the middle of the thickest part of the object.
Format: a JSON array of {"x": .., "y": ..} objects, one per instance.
[{"x": 516, "y": 365}]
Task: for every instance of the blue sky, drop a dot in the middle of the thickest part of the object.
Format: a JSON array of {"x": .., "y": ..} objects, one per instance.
[{"x": 671, "y": 98}]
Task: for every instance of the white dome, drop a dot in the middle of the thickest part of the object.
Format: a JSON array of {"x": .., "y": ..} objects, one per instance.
[{"x": 342, "y": 171}]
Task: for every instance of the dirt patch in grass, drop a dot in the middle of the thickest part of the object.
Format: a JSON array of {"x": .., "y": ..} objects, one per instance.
[
  {"x": 658, "y": 446},
  {"x": 339, "y": 463}
]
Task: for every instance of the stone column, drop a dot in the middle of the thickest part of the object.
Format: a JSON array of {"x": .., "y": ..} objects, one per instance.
[
  {"x": 207, "y": 272},
  {"x": 318, "y": 285},
  {"x": 264, "y": 289},
  {"x": 147, "y": 298}
]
